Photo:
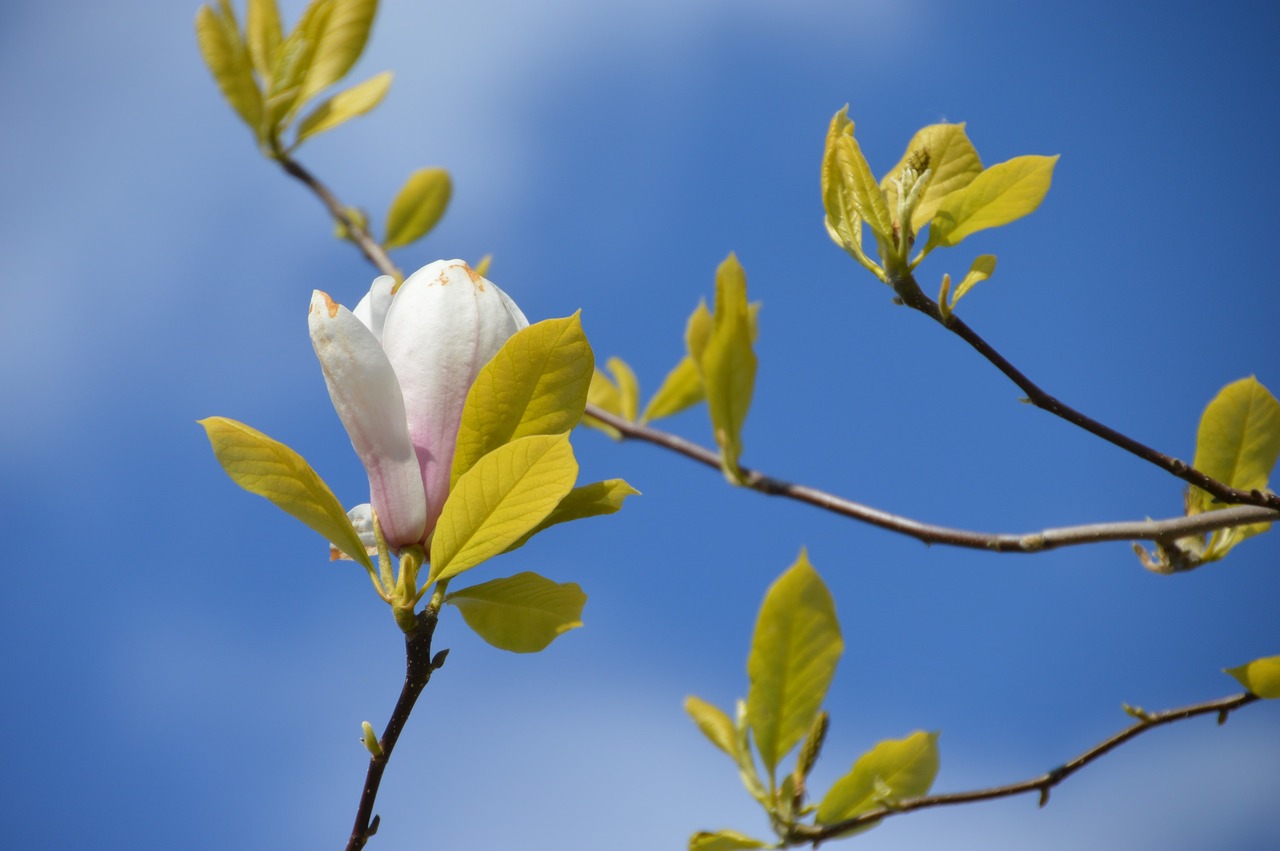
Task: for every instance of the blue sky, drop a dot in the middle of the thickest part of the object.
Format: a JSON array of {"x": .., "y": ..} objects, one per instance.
[{"x": 184, "y": 668}]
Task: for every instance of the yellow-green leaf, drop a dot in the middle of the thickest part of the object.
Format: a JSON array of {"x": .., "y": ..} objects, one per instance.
[
  {"x": 263, "y": 34},
  {"x": 628, "y": 388},
  {"x": 603, "y": 394},
  {"x": 345, "y": 105},
  {"x": 697, "y": 331},
  {"x": 225, "y": 53},
  {"x": 843, "y": 222},
  {"x": 681, "y": 389},
  {"x": 983, "y": 267},
  {"x": 293, "y": 61},
  {"x": 418, "y": 206},
  {"x": 593, "y": 500},
  {"x": 522, "y": 613},
  {"x": 728, "y": 364},
  {"x": 854, "y": 183},
  {"x": 946, "y": 151},
  {"x": 894, "y": 770},
  {"x": 723, "y": 840},
  {"x": 999, "y": 195},
  {"x": 339, "y": 43},
  {"x": 1260, "y": 677},
  {"x": 270, "y": 469},
  {"x": 536, "y": 384},
  {"x": 507, "y": 493},
  {"x": 713, "y": 723},
  {"x": 793, "y": 657},
  {"x": 481, "y": 266},
  {"x": 1238, "y": 443}
]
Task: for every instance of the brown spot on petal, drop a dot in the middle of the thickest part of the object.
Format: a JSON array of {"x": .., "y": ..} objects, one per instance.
[{"x": 330, "y": 305}]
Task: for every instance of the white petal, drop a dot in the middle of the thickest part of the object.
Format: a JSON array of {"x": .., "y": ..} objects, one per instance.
[
  {"x": 367, "y": 397},
  {"x": 372, "y": 309},
  {"x": 445, "y": 323}
]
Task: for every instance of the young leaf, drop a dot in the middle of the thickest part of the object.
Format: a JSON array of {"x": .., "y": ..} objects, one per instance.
[
  {"x": 999, "y": 195},
  {"x": 522, "y": 613},
  {"x": 603, "y": 394},
  {"x": 681, "y": 389},
  {"x": 507, "y": 493},
  {"x": 418, "y": 206},
  {"x": 263, "y": 34},
  {"x": 844, "y": 225},
  {"x": 628, "y": 388},
  {"x": 697, "y": 331},
  {"x": 984, "y": 266},
  {"x": 849, "y": 182},
  {"x": 793, "y": 657},
  {"x": 339, "y": 43},
  {"x": 1260, "y": 677},
  {"x": 536, "y": 384},
  {"x": 892, "y": 771},
  {"x": 293, "y": 61},
  {"x": 723, "y": 840},
  {"x": 728, "y": 364},
  {"x": 344, "y": 106},
  {"x": 946, "y": 151},
  {"x": 225, "y": 53},
  {"x": 1238, "y": 443},
  {"x": 713, "y": 723},
  {"x": 270, "y": 469},
  {"x": 593, "y": 500}
]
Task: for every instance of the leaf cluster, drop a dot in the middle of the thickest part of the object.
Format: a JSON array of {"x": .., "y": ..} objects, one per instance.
[{"x": 794, "y": 652}]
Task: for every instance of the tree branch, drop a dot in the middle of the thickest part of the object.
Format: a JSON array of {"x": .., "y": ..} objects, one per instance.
[
  {"x": 913, "y": 297},
  {"x": 1165, "y": 531},
  {"x": 1147, "y": 721},
  {"x": 419, "y": 665}
]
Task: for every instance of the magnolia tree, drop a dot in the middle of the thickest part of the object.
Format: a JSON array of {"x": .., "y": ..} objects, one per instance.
[{"x": 461, "y": 411}]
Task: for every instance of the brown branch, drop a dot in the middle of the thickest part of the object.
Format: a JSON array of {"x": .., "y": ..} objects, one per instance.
[
  {"x": 418, "y": 665},
  {"x": 804, "y": 835},
  {"x": 912, "y": 296},
  {"x": 360, "y": 235},
  {"x": 1138, "y": 530}
]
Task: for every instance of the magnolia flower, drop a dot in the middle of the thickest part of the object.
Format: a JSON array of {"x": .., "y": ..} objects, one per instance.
[{"x": 398, "y": 369}]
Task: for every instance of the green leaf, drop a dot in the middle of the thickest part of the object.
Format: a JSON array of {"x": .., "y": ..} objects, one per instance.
[
  {"x": 1260, "y": 677},
  {"x": 945, "y": 150},
  {"x": 344, "y": 106},
  {"x": 263, "y": 34},
  {"x": 983, "y": 267},
  {"x": 522, "y": 613},
  {"x": 593, "y": 500},
  {"x": 1238, "y": 443},
  {"x": 293, "y": 62},
  {"x": 843, "y": 222},
  {"x": 628, "y": 388},
  {"x": 603, "y": 394},
  {"x": 228, "y": 59},
  {"x": 793, "y": 657},
  {"x": 894, "y": 770},
  {"x": 728, "y": 364},
  {"x": 697, "y": 331},
  {"x": 537, "y": 383},
  {"x": 507, "y": 493},
  {"x": 713, "y": 723},
  {"x": 850, "y": 191},
  {"x": 418, "y": 206},
  {"x": 681, "y": 389},
  {"x": 999, "y": 195},
  {"x": 723, "y": 840},
  {"x": 270, "y": 469},
  {"x": 339, "y": 42}
]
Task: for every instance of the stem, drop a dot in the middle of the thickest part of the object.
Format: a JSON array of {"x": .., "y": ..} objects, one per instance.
[
  {"x": 1165, "y": 531},
  {"x": 418, "y": 666},
  {"x": 1042, "y": 784},
  {"x": 1038, "y": 397}
]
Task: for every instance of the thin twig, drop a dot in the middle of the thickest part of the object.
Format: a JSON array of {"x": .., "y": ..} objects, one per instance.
[
  {"x": 1029, "y": 542},
  {"x": 1222, "y": 708},
  {"x": 360, "y": 235},
  {"x": 418, "y": 666},
  {"x": 913, "y": 297}
]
